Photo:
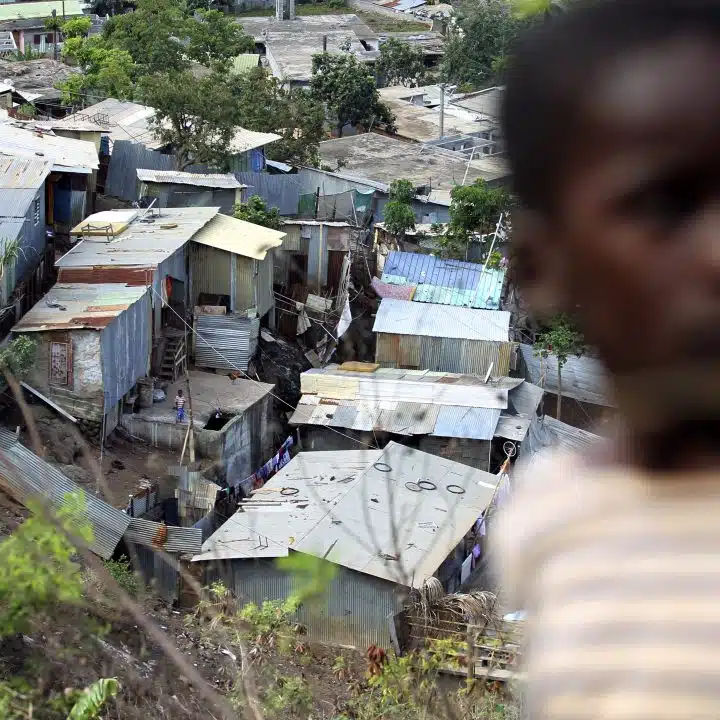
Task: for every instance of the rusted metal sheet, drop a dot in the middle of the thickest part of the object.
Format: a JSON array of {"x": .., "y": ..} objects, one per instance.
[
  {"x": 133, "y": 276},
  {"x": 409, "y": 351}
]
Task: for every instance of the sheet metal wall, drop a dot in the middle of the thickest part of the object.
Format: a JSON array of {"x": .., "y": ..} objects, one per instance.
[
  {"x": 176, "y": 196},
  {"x": 125, "y": 350},
  {"x": 244, "y": 283},
  {"x": 209, "y": 270},
  {"x": 264, "y": 280},
  {"x": 353, "y": 611},
  {"x": 443, "y": 354},
  {"x": 33, "y": 240},
  {"x": 156, "y": 572},
  {"x": 233, "y": 336}
]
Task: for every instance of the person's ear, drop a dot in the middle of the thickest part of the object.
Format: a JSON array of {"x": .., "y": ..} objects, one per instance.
[{"x": 539, "y": 265}]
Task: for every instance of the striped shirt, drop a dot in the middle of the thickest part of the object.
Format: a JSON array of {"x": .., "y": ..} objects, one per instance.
[
  {"x": 619, "y": 573},
  {"x": 179, "y": 402}
]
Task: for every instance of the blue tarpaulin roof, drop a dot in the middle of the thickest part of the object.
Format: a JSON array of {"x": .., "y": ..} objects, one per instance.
[{"x": 446, "y": 282}]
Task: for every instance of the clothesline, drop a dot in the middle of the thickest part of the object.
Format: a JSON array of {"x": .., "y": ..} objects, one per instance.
[{"x": 278, "y": 461}]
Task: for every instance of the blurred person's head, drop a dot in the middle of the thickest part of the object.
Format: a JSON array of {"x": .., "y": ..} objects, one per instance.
[{"x": 612, "y": 122}]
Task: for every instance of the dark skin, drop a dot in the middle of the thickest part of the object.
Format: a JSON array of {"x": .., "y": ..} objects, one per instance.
[{"x": 633, "y": 246}]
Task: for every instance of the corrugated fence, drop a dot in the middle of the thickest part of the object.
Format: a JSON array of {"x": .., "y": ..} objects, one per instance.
[{"x": 234, "y": 337}]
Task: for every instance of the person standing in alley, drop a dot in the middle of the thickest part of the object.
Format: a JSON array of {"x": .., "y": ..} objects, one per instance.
[{"x": 180, "y": 406}]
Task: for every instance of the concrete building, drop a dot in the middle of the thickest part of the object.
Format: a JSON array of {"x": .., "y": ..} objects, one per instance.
[
  {"x": 290, "y": 44},
  {"x": 232, "y": 422},
  {"x": 433, "y": 171},
  {"x": 424, "y": 115},
  {"x": 93, "y": 344},
  {"x": 348, "y": 496},
  {"x": 26, "y": 22},
  {"x": 170, "y": 188},
  {"x": 459, "y": 417},
  {"x": 442, "y": 338}
]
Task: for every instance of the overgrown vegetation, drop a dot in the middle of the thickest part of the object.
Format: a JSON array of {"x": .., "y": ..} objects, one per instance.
[
  {"x": 400, "y": 64},
  {"x": 474, "y": 212},
  {"x": 256, "y": 211},
  {"x": 399, "y": 213},
  {"x": 348, "y": 90}
]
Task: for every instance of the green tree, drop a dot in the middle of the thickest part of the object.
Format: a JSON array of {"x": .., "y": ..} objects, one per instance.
[
  {"x": 398, "y": 215},
  {"x": 151, "y": 35},
  {"x": 348, "y": 90},
  {"x": 481, "y": 37},
  {"x": 214, "y": 37},
  {"x": 76, "y": 27},
  {"x": 264, "y": 105},
  {"x": 196, "y": 116},
  {"x": 256, "y": 211},
  {"x": 400, "y": 63},
  {"x": 105, "y": 71},
  {"x": 474, "y": 209},
  {"x": 562, "y": 340}
]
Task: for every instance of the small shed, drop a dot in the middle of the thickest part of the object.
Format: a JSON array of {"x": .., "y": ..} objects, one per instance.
[
  {"x": 459, "y": 417},
  {"x": 172, "y": 189},
  {"x": 443, "y": 338},
  {"x": 234, "y": 259},
  {"x": 312, "y": 254},
  {"x": 93, "y": 344},
  {"x": 363, "y": 511}
]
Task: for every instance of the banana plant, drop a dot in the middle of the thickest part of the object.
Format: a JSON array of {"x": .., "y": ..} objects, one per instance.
[{"x": 93, "y": 699}]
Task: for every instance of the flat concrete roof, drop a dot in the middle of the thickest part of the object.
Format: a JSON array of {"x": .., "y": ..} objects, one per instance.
[
  {"x": 210, "y": 392},
  {"x": 384, "y": 159},
  {"x": 422, "y": 124},
  {"x": 348, "y": 23},
  {"x": 291, "y": 44}
]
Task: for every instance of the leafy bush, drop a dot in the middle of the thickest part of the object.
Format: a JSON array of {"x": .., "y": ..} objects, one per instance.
[
  {"x": 290, "y": 697},
  {"x": 123, "y": 574},
  {"x": 37, "y": 570}
]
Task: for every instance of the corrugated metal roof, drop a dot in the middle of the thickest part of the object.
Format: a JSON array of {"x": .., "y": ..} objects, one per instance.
[
  {"x": 179, "y": 539},
  {"x": 239, "y": 237},
  {"x": 237, "y": 538},
  {"x": 463, "y": 422},
  {"x": 346, "y": 404},
  {"x": 31, "y": 477},
  {"x": 15, "y": 203},
  {"x": 31, "y": 10},
  {"x": 521, "y": 412},
  {"x": 23, "y": 172},
  {"x": 583, "y": 378},
  {"x": 374, "y": 503},
  {"x": 245, "y": 140},
  {"x": 123, "y": 120},
  {"x": 243, "y": 63},
  {"x": 448, "y": 282},
  {"x": 65, "y": 154},
  {"x": 402, "y": 317},
  {"x": 83, "y": 306},
  {"x": 547, "y": 433},
  {"x": 172, "y": 177},
  {"x": 145, "y": 243}
]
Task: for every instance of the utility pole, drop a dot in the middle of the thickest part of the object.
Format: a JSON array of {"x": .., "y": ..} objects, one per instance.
[
  {"x": 190, "y": 412},
  {"x": 442, "y": 110},
  {"x": 54, "y": 17},
  {"x": 63, "y": 8}
]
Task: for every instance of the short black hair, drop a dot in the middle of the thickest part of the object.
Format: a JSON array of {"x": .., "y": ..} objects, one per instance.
[{"x": 551, "y": 69}]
